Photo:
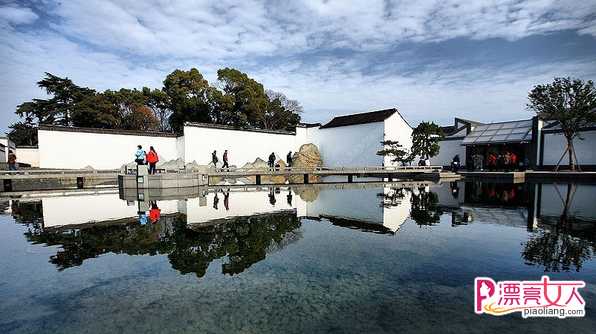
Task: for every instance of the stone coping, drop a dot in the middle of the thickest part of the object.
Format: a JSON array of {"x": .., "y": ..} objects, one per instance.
[{"x": 107, "y": 131}]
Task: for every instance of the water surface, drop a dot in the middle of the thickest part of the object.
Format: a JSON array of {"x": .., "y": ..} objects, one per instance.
[{"x": 378, "y": 258}]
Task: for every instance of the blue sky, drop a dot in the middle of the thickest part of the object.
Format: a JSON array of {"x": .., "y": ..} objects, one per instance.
[{"x": 433, "y": 60}]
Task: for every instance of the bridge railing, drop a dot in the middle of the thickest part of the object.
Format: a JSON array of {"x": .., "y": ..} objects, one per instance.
[{"x": 297, "y": 170}]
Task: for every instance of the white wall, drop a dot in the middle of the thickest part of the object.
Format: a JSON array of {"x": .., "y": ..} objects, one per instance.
[
  {"x": 28, "y": 155},
  {"x": 449, "y": 148},
  {"x": 350, "y": 146},
  {"x": 554, "y": 145},
  {"x": 65, "y": 149},
  {"x": 9, "y": 145},
  {"x": 81, "y": 209},
  {"x": 242, "y": 146},
  {"x": 396, "y": 128},
  {"x": 581, "y": 207},
  {"x": 3, "y": 153}
]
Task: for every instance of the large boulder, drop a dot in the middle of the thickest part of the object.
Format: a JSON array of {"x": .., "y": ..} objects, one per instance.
[
  {"x": 176, "y": 165},
  {"x": 307, "y": 157}
]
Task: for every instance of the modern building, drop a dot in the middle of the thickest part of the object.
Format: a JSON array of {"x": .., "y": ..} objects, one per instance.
[{"x": 535, "y": 143}]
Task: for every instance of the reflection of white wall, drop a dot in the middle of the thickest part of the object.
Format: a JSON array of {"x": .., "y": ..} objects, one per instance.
[
  {"x": 240, "y": 204},
  {"x": 66, "y": 149},
  {"x": 68, "y": 210},
  {"x": 449, "y": 148},
  {"x": 554, "y": 146},
  {"x": 395, "y": 216},
  {"x": 445, "y": 194},
  {"x": 28, "y": 155},
  {"x": 582, "y": 205},
  {"x": 359, "y": 204},
  {"x": 9, "y": 145}
]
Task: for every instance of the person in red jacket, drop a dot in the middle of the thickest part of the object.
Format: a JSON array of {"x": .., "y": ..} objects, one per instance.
[
  {"x": 154, "y": 213},
  {"x": 152, "y": 160}
]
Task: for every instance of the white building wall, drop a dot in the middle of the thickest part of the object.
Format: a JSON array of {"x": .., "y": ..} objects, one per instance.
[
  {"x": 555, "y": 143},
  {"x": 350, "y": 146},
  {"x": 242, "y": 146},
  {"x": 72, "y": 150},
  {"x": 582, "y": 205},
  {"x": 449, "y": 148},
  {"x": 28, "y": 155},
  {"x": 3, "y": 153},
  {"x": 9, "y": 145},
  {"x": 396, "y": 128}
]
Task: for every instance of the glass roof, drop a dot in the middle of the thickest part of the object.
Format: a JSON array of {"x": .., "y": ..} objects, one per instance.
[{"x": 506, "y": 132}]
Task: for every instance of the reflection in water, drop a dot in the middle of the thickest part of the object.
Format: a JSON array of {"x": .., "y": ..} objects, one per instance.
[
  {"x": 242, "y": 240},
  {"x": 193, "y": 234}
]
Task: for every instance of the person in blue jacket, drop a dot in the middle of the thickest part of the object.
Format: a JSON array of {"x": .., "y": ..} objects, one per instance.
[{"x": 140, "y": 155}]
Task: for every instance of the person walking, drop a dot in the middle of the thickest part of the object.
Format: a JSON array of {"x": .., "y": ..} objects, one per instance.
[
  {"x": 225, "y": 160},
  {"x": 214, "y": 158},
  {"x": 140, "y": 155},
  {"x": 272, "y": 160},
  {"x": 12, "y": 160},
  {"x": 152, "y": 159},
  {"x": 289, "y": 159}
]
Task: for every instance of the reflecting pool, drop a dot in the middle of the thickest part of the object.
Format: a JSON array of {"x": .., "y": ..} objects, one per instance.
[{"x": 340, "y": 258}]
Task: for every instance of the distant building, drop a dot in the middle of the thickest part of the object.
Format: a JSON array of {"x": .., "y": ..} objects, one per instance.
[{"x": 537, "y": 144}]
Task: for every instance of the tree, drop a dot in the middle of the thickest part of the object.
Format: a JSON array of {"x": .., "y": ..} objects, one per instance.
[
  {"x": 281, "y": 112},
  {"x": 23, "y": 134},
  {"x": 96, "y": 111},
  {"x": 65, "y": 94},
  {"x": 425, "y": 140},
  {"x": 157, "y": 100},
  {"x": 396, "y": 152},
  {"x": 248, "y": 96},
  {"x": 55, "y": 110},
  {"x": 571, "y": 103},
  {"x": 142, "y": 118},
  {"x": 187, "y": 93}
]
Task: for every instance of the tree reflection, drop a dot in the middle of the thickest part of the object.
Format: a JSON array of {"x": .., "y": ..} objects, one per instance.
[
  {"x": 558, "y": 249},
  {"x": 565, "y": 242},
  {"x": 425, "y": 207},
  {"x": 243, "y": 241}
]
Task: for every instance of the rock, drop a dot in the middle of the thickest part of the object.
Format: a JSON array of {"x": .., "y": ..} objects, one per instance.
[
  {"x": 278, "y": 179},
  {"x": 177, "y": 164},
  {"x": 308, "y": 157},
  {"x": 194, "y": 167},
  {"x": 307, "y": 194},
  {"x": 88, "y": 168},
  {"x": 127, "y": 167},
  {"x": 257, "y": 164}
]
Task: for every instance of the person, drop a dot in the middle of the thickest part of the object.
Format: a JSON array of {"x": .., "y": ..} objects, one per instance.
[
  {"x": 272, "y": 160},
  {"x": 289, "y": 159},
  {"x": 215, "y": 201},
  {"x": 227, "y": 200},
  {"x": 289, "y": 197},
  {"x": 152, "y": 159},
  {"x": 272, "y": 196},
  {"x": 154, "y": 213},
  {"x": 140, "y": 155},
  {"x": 225, "y": 160},
  {"x": 513, "y": 160},
  {"x": 214, "y": 158},
  {"x": 12, "y": 160},
  {"x": 455, "y": 163}
]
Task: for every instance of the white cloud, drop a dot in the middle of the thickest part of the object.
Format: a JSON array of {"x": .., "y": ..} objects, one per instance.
[
  {"x": 227, "y": 29},
  {"x": 15, "y": 15},
  {"x": 112, "y": 44}
]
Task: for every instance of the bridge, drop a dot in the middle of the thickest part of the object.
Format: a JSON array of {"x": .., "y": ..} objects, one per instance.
[
  {"x": 47, "y": 179},
  {"x": 388, "y": 172}
]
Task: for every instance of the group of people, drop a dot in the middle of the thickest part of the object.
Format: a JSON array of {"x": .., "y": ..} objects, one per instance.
[
  {"x": 147, "y": 158},
  {"x": 271, "y": 160},
  {"x": 506, "y": 160}
]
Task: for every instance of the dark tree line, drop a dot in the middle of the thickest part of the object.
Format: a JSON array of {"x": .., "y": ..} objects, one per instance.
[{"x": 186, "y": 96}]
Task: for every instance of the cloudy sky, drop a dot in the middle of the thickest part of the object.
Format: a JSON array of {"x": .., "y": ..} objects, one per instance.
[{"x": 433, "y": 60}]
